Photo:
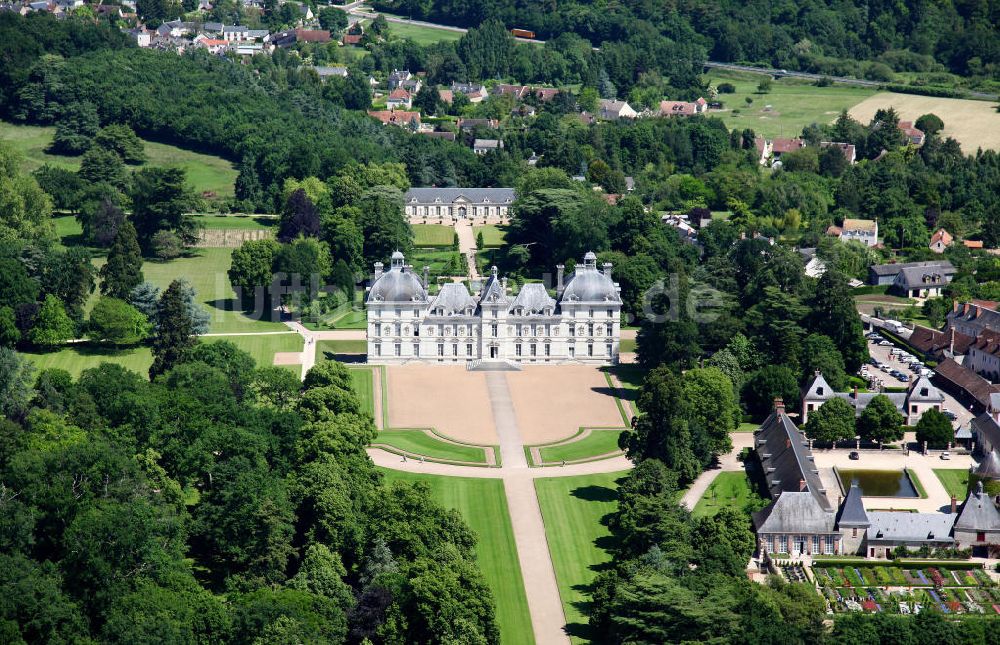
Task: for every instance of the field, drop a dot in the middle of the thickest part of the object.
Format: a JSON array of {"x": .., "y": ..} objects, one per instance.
[
  {"x": 954, "y": 480},
  {"x": 432, "y": 235},
  {"x": 240, "y": 222},
  {"x": 483, "y": 505},
  {"x": 493, "y": 236},
  {"x": 729, "y": 490},
  {"x": 76, "y": 358},
  {"x": 423, "y": 35},
  {"x": 793, "y": 103},
  {"x": 573, "y": 509},
  {"x": 205, "y": 173},
  {"x": 974, "y": 124}
]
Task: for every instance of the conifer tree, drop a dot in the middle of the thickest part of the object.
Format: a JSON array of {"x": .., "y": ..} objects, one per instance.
[
  {"x": 175, "y": 332},
  {"x": 123, "y": 271}
]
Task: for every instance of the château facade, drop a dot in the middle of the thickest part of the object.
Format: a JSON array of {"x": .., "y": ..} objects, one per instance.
[{"x": 581, "y": 324}]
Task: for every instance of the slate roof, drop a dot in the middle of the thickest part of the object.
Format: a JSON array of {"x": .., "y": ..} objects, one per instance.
[
  {"x": 454, "y": 298},
  {"x": 916, "y": 277},
  {"x": 449, "y": 195},
  {"x": 990, "y": 466},
  {"x": 978, "y": 513},
  {"x": 787, "y": 460},
  {"x": 852, "y": 512},
  {"x": 978, "y": 316},
  {"x": 923, "y": 391},
  {"x": 493, "y": 290},
  {"x": 943, "y": 266},
  {"x": 399, "y": 284},
  {"x": 794, "y": 512},
  {"x": 910, "y": 527},
  {"x": 985, "y": 426},
  {"x": 588, "y": 284},
  {"x": 533, "y": 299}
]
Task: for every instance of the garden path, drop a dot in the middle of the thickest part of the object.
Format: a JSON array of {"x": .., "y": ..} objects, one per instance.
[
  {"x": 467, "y": 245},
  {"x": 728, "y": 462}
]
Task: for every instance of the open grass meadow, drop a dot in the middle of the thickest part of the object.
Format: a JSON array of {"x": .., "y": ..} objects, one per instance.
[
  {"x": 974, "y": 124},
  {"x": 236, "y": 222},
  {"x": 483, "y": 505},
  {"x": 574, "y": 510},
  {"x": 790, "y": 105},
  {"x": 729, "y": 490},
  {"x": 423, "y": 35},
  {"x": 78, "y": 357},
  {"x": 418, "y": 442},
  {"x": 206, "y": 270},
  {"x": 433, "y": 235},
  {"x": 954, "y": 480},
  {"x": 493, "y": 236},
  {"x": 208, "y": 174}
]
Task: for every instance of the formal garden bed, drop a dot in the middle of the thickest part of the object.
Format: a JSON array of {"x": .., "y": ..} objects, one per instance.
[{"x": 952, "y": 588}]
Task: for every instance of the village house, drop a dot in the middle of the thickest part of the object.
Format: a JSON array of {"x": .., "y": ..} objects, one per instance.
[
  {"x": 403, "y": 79},
  {"x": 213, "y": 45},
  {"x": 581, "y": 324},
  {"x": 612, "y": 110},
  {"x": 457, "y": 203},
  {"x": 940, "y": 241},
  {"x": 329, "y": 72},
  {"x": 859, "y": 230},
  {"x": 982, "y": 356},
  {"x": 468, "y": 125},
  {"x": 519, "y": 92},
  {"x": 920, "y": 282},
  {"x": 921, "y": 396},
  {"x": 850, "y": 154},
  {"x": 399, "y": 118},
  {"x": 142, "y": 36},
  {"x": 399, "y": 99},
  {"x": 887, "y": 274},
  {"x": 683, "y": 108},
  {"x": 482, "y": 146},
  {"x": 814, "y": 266},
  {"x": 914, "y": 136},
  {"x": 475, "y": 92}
]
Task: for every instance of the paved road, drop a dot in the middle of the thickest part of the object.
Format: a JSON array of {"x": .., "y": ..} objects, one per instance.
[
  {"x": 728, "y": 462},
  {"x": 467, "y": 246}
]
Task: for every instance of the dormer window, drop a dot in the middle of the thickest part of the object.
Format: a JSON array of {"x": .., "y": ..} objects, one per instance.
[{"x": 819, "y": 391}]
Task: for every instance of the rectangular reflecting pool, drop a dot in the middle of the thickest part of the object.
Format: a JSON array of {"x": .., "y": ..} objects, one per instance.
[{"x": 878, "y": 483}]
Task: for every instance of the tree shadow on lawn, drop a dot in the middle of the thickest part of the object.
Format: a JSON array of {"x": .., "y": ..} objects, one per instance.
[
  {"x": 345, "y": 358},
  {"x": 594, "y": 493},
  {"x": 245, "y": 310}
]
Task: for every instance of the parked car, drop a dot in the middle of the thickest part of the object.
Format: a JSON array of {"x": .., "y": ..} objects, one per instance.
[
  {"x": 903, "y": 378},
  {"x": 873, "y": 362},
  {"x": 855, "y": 455},
  {"x": 884, "y": 343},
  {"x": 946, "y": 455}
]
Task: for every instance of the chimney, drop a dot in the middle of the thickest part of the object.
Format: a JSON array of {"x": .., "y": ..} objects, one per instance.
[
  {"x": 559, "y": 279},
  {"x": 779, "y": 405},
  {"x": 951, "y": 342},
  {"x": 378, "y": 270},
  {"x": 954, "y": 306},
  {"x": 855, "y": 392},
  {"x": 607, "y": 269},
  {"x": 954, "y": 504},
  {"x": 965, "y": 309},
  {"x": 427, "y": 276},
  {"x": 802, "y": 485}
]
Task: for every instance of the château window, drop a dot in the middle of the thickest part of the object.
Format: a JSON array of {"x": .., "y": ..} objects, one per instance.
[
  {"x": 440, "y": 349},
  {"x": 517, "y": 349},
  {"x": 399, "y": 349}
]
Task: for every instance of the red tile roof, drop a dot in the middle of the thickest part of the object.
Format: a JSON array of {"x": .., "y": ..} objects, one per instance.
[{"x": 787, "y": 145}]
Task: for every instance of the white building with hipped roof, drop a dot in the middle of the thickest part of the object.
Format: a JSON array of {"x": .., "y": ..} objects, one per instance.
[{"x": 579, "y": 324}]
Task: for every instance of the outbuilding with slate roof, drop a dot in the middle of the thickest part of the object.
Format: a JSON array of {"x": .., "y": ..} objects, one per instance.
[
  {"x": 454, "y": 204},
  {"x": 978, "y": 523}
]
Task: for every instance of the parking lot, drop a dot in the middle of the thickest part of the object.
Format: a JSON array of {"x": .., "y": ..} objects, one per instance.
[{"x": 883, "y": 354}]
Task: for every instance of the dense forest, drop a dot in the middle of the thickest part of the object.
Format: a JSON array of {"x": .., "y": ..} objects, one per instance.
[{"x": 826, "y": 37}]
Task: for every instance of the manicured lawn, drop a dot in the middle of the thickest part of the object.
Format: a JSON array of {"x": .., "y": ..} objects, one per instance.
[
  {"x": 595, "y": 444},
  {"x": 729, "y": 490},
  {"x": 262, "y": 348},
  {"x": 747, "y": 427},
  {"x": 794, "y": 103},
  {"x": 441, "y": 263},
  {"x": 240, "y": 222},
  {"x": 428, "y": 235},
  {"x": 206, "y": 270},
  {"x": 328, "y": 349},
  {"x": 419, "y": 442},
  {"x": 954, "y": 480},
  {"x": 205, "y": 173},
  {"x": 493, "y": 236},
  {"x": 574, "y": 509},
  {"x": 351, "y": 320},
  {"x": 423, "y": 35},
  {"x": 627, "y": 345},
  {"x": 361, "y": 381},
  {"x": 483, "y": 505},
  {"x": 76, "y": 358}
]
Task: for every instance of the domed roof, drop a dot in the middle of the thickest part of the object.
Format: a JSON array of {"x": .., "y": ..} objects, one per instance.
[
  {"x": 587, "y": 284},
  {"x": 398, "y": 284}
]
